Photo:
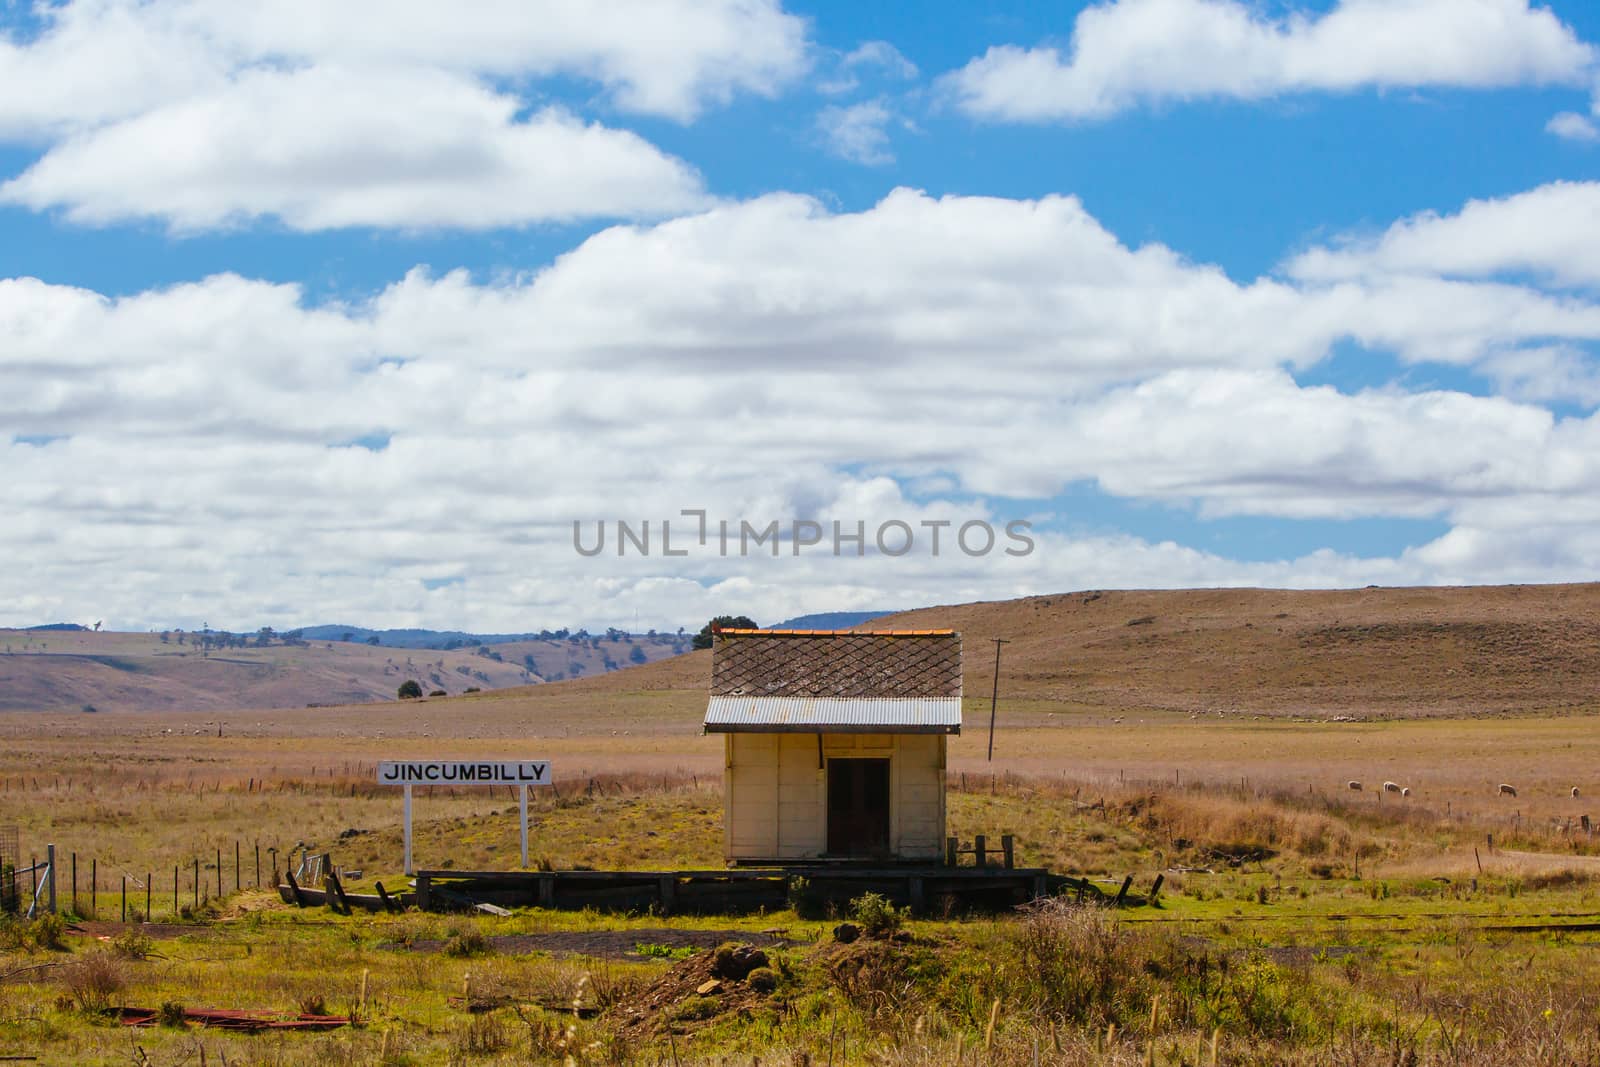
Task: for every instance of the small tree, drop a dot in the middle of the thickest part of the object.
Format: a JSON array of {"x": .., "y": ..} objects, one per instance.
[
  {"x": 637, "y": 655},
  {"x": 410, "y": 690},
  {"x": 722, "y": 622}
]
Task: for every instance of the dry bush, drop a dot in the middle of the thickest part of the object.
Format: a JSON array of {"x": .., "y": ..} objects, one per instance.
[
  {"x": 93, "y": 980},
  {"x": 479, "y": 1035},
  {"x": 1219, "y": 825},
  {"x": 1079, "y": 966}
]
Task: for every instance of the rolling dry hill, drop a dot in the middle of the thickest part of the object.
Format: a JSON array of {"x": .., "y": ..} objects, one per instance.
[
  {"x": 1359, "y": 652},
  {"x": 78, "y": 670}
]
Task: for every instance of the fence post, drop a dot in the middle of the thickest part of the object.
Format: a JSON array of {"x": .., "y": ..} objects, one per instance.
[
  {"x": 174, "y": 892},
  {"x": 50, "y": 858},
  {"x": 258, "y": 864},
  {"x": 219, "y": 873},
  {"x": 978, "y": 850},
  {"x": 197, "y": 883},
  {"x": 74, "y": 883},
  {"x": 94, "y": 888},
  {"x": 124, "y": 898}
]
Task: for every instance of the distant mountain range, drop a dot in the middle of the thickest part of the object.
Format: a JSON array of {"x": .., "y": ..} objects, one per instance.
[
  {"x": 442, "y": 639},
  {"x": 445, "y": 640},
  {"x": 829, "y": 620}
]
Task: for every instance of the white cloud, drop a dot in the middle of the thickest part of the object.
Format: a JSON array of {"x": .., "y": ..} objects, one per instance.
[
  {"x": 760, "y": 360},
  {"x": 878, "y": 59},
  {"x": 327, "y": 147},
  {"x": 206, "y": 113},
  {"x": 1571, "y": 126},
  {"x": 1552, "y": 231},
  {"x": 857, "y": 133},
  {"x": 99, "y": 60},
  {"x": 883, "y": 56},
  {"x": 1127, "y": 53}
]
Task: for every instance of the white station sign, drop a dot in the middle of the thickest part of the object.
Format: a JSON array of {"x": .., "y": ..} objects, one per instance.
[
  {"x": 521, "y": 773},
  {"x": 464, "y": 772}
]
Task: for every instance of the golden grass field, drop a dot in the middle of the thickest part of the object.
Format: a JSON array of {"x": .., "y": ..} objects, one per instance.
[{"x": 1333, "y": 926}]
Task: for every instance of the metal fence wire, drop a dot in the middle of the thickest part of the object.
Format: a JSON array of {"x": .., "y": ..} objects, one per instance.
[{"x": 10, "y": 860}]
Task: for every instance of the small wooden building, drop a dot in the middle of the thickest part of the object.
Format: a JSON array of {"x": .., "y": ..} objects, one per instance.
[{"x": 835, "y": 743}]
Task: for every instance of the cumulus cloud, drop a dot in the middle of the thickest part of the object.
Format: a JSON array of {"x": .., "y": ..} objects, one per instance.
[
  {"x": 1571, "y": 126},
  {"x": 270, "y": 455},
  {"x": 202, "y": 114},
  {"x": 872, "y": 58},
  {"x": 99, "y": 60},
  {"x": 392, "y": 148},
  {"x": 857, "y": 133},
  {"x": 1129, "y": 53},
  {"x": 1552, "y": 231}
]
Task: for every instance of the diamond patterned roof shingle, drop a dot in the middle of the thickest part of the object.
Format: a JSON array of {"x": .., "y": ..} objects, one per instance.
[{"x": 836, "y": 663}]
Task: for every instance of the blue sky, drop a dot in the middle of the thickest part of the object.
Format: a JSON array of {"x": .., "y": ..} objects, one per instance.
[{"x": 304, "y": 320}]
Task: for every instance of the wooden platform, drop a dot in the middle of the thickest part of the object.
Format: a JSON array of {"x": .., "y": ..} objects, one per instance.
[
  {"x": 927, "y": 889},
  {"x": 930, "y": 889}
]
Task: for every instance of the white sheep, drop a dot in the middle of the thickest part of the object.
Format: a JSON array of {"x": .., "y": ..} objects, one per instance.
[
  {"x": 1406, "y": 791},
  {"x": 1391, "y": 787},
  {"x": 1507, "y": 791},
  {"x": 1574, "y": 792},
  {"x": 1354, "y": 785}
]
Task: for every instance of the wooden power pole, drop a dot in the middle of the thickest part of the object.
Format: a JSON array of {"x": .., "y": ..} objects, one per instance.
[{"x": 994, "y": 696}]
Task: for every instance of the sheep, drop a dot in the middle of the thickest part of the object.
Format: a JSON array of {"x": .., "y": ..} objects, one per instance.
[
  {"x": 1406, "y": 791},
  {"x": 1391, "y": 787},
  {"x": 1507, "y": 791},
  {"x": 1574, "y": 792},
  {"x": 1354, "y": 785}
]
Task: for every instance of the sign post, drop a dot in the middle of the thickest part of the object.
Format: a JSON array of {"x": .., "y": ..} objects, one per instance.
[
  {"x": 407, "y": 773},
  {"x": 524, "y": 805}
]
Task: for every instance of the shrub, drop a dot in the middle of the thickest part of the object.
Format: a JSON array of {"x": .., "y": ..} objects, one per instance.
[
  {"x": 662, "y": 952},
  {"x": 132, "y": 945},
  {"x": 313, "y": 1004},
  {"x": 49, "y": 931},
  {"x": 171, "y": 1014},
  {"x": 29, "y": 935},
  {"x": 409, "y": 690},
  {"x": 465, "y": 944},
  {"x": 762, "y": 979},
  {"x": 876, "y": 915},
  {"x": 805, "y": 900},
  {"x": 93, "y": 980}
]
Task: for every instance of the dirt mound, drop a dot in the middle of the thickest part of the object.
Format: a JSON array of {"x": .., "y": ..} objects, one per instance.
[{"x": 732, "y": 979}]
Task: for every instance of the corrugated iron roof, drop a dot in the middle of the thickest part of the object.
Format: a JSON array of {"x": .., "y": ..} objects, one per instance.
[
  {"x": 809, "y": 715},
  {"x": 836, "y": 663}
]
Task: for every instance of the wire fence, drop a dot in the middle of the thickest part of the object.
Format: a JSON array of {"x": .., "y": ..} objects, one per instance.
[{"x": 10, "y": 895}]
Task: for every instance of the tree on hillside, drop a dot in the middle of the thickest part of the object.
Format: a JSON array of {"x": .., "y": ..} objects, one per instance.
[
  {"x": 722, "y": 622},
  {"x": 410, "y": 690},
  {"x": 637, "y": 655}
]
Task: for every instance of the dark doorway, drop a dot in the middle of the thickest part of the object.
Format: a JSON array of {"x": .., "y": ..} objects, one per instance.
[{"x": 858, "y": 807}]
